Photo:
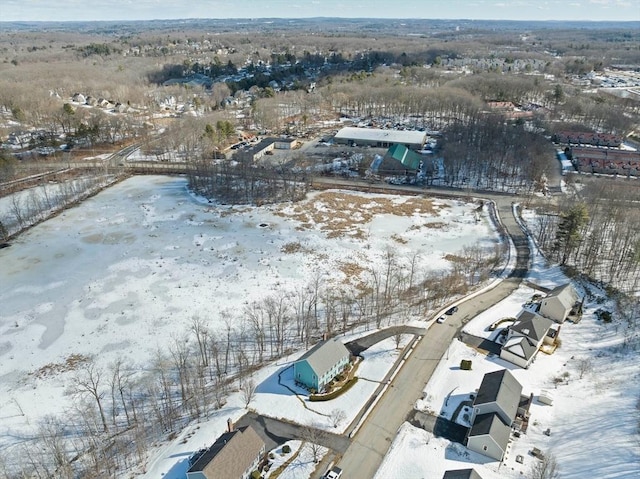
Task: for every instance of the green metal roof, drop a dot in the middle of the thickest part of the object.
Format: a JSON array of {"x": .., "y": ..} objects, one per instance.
[{"x": 409, "y": 159}]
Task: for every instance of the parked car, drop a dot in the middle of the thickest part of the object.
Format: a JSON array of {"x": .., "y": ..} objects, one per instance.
[
  {"x": 334, "y": 473},
  {"x": 441, "y": 319},
  {"x": 451, "y": 310}
]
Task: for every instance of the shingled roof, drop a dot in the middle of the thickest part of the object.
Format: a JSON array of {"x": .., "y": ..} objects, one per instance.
[
  {"x": 503, "y": 389},
  {"x": 461, "y": 474},
  {"x": 231, "y": 454},
  {"x": 323, "y": 356},
  {"x": 492, "y": 425},
  {"x": 531, "y": 325}
]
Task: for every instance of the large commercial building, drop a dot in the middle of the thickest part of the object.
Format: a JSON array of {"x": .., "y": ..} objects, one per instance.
[{"x": 380, "y": 138}]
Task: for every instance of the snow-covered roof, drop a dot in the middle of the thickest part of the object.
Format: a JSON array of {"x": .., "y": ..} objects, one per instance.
[
  {"x": 383, "y": 136},
  {"x": 520, "y": 346}
]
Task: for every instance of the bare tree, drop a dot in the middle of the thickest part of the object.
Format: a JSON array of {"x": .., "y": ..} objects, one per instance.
[
  {"x": 336, "y": 416},
  {"x": 51, "y": 433},
  {"x": 546, "y": 468},
  {"x": 311, "y": 436},
  {"x": 87, "y": 382},
  {"x": 248, "y": 391},
  {"x": 584, "y": 366}
]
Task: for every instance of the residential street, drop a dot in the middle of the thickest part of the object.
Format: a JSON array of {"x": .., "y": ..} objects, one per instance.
[{"x": 370, "y": 444}]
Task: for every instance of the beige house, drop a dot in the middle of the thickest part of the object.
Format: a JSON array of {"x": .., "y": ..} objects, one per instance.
[
  {"x": 234, "y": 455},
  {"x": 560, "y": 303}
]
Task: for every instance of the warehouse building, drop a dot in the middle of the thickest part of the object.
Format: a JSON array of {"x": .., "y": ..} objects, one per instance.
[{"x": 380, "y": 138}]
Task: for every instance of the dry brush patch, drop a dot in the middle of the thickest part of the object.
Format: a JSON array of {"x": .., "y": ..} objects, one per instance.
[
  {"x": 70, "y": 364},
  {"x": 340, "y": 214}
]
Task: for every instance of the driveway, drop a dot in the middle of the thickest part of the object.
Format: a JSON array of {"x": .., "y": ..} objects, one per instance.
[
  {"x": 275, "y": 432},
  {"x": 439, "y": 426},
  {"x": 362, "y": 344},
  {"x": 480, "y": 343}
]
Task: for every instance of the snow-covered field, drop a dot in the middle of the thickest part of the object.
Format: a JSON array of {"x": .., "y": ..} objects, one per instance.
[
  {"x": 121, "y": 275},
  {"x": 593, "y": 420},
  {"x": 124, "y": 273}
]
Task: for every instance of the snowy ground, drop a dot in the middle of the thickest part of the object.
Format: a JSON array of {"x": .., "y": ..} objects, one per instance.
[
  {"x": 275, "y": 400},
  {"x": 124, "y": 273},
  {"x": 593, "y": 420}
]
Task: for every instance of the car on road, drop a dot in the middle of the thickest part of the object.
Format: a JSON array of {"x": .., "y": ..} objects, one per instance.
[
  {"x": 441, "y": 319},
  {"x": 334, "y": 473},
  {"x": 450, "y": 311}
]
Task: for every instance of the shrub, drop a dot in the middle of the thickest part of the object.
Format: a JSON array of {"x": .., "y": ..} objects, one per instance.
[
  {"x": 286, "y": 449},
  {"x": 465, "y": 364},
  {"x": 334, "y": 394},
  {"x": 255, "y": 475}
]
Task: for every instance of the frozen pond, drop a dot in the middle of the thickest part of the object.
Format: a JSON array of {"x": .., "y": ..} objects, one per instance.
[{"x": 125, "y": 272}]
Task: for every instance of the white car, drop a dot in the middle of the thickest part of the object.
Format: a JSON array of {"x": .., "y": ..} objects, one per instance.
[
  {"x": 441, "y": 319},
  {"x": 334, "y": 473}
]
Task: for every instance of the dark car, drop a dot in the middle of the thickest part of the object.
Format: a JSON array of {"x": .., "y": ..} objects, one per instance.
[{"x": 451, "y": 310}]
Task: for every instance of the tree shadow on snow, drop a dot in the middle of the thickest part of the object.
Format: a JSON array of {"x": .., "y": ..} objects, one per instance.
[{"x": 281, "y": 382}]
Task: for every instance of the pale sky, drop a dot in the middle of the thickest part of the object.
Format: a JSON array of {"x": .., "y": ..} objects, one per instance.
[{"x": 68, "y": 10}]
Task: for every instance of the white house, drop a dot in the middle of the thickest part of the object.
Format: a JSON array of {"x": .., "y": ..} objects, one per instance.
[{"x": 559, "y": 303}]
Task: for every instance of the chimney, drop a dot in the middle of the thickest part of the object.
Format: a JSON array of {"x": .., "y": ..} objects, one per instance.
[{"x": 229, "y": 425}]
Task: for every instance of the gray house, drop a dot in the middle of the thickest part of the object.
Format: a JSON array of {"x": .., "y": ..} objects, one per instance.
[
  {"x": 559, "y": 303},
  {"x": 234, "y": 455},
  {"x": 489, "y": 436},
  {"x": 499, "y": 393},
  {"x": 461, "y": 474},
  {"x": 323, "y": 362},
  {"x": 525, "y": 337},
  {"x": 495, "y": 408}
]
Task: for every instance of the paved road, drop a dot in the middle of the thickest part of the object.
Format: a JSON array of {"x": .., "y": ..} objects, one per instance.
[{"x": 370, "y": 444}]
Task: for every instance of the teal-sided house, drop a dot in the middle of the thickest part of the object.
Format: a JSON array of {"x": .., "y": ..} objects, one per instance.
[{"x": 323, "y": 362}]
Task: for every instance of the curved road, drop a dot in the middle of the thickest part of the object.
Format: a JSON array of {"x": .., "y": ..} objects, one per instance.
[{"x": 372, "y": 441}]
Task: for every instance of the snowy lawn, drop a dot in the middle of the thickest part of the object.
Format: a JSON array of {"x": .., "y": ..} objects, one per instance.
[
  {"x": 274, "y": 400},
  {"x": 593, "y": 419}
]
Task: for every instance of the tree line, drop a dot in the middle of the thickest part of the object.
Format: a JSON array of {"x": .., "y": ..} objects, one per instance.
[{"x": 596, "y": 233}]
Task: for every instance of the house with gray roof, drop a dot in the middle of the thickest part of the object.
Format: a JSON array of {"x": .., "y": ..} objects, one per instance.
[
  {"x": 461, "y": 474},
  {"x": 525, "y": 337},
  {"x": 499, "y": 393},
  {"x": 234, "y": 455},
  {"x": 495, "y": 408},
  {"x": 560, "y": 303},
  {"x": 489, "y": 436},
  {"x": 323, "y": 362}
]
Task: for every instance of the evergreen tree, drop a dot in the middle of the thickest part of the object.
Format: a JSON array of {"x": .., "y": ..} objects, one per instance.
[{"x": 569, "y": 233}]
